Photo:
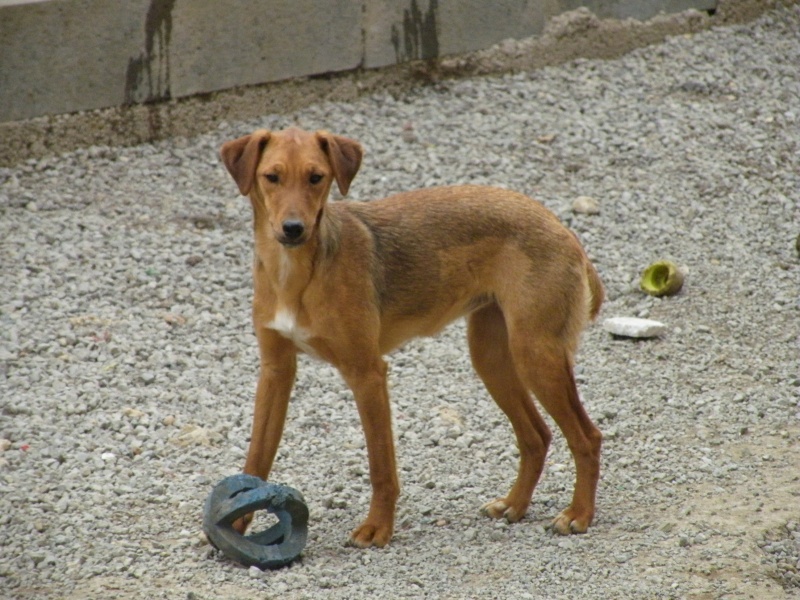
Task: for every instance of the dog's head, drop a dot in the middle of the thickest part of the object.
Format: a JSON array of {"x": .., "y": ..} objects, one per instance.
[{"x": 289, "y": 174}]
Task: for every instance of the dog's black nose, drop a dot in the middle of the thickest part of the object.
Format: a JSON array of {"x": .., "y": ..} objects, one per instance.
[{"x": 293, "y": 229}]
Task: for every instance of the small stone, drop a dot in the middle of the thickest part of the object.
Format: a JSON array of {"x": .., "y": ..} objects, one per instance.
[
  {"x": 585, "y": 205},
  {"x": 168, "y": 421},
  {"x": 194, "y": 260},
  {"x": 174, "y": 319},
  {"x": 408, "y": 135},
  {"x": 633, "y": 327},
  {"x": 497, "y": 535},
  {"x": 203, "y": 222},
  {"x": 193, "y": 435},
  {"x": 108, "y": 456},
  {"x": 255, "y": 572},
  {"x": 4, "y": 444},
  {"x": 622, "y": 558}
]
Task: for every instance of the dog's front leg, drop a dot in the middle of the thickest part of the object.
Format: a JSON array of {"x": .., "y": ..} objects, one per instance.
[
  {"x": 368, "y": 383},
  {"x": 275, "y": 382}
]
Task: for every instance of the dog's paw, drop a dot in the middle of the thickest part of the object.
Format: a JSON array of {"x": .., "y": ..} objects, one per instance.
[
  {"x": 241, "y": 524},
  {"x": 500, "y": 509},
  {"x": 369, "y": 534},
  {"x": 570, "y": 521}
]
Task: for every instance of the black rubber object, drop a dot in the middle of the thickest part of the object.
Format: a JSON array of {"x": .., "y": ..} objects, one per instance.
[{"x": 238, "y": 495}]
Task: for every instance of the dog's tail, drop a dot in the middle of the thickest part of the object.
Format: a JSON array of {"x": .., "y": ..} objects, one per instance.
[{"x": 595, "y": 289}]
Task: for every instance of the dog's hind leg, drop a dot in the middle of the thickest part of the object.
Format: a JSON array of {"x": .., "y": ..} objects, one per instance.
[
  {"x": 488, "y": 344},
  {"x": 544, "y": 364}
]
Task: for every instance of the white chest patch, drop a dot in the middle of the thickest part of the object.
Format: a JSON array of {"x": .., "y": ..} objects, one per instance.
[{"x": 285, "y": 323}]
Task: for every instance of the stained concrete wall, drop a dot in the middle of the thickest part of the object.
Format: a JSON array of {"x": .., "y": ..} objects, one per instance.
[{"x": 63, "y": 56}]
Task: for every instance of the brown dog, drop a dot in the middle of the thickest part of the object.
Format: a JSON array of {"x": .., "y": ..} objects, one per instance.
[{"x": 350, "y": 281}]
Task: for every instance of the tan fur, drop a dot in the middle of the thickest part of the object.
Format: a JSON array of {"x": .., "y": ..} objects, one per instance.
[{"x": 363, "y": 278}]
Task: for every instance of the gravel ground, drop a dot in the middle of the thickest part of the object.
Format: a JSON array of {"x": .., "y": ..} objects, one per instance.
[{"x": 129, "y": 365}]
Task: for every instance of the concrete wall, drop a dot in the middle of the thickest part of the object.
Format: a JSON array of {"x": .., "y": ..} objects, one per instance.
[{"x": 63, "y": 56}]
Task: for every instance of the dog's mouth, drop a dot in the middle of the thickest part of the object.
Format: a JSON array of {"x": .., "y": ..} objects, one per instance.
[{"x": 288, "y": 243}]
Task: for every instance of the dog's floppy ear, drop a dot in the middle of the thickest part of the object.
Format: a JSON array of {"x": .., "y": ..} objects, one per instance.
[
  {"x": 241, "y": 158},
  {"x": 344, "y": 155}
]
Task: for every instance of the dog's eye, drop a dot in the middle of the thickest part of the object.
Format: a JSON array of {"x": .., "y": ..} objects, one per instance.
[
  {"x": 272, "y": 177},
  {"x": 315, "y": 178}
]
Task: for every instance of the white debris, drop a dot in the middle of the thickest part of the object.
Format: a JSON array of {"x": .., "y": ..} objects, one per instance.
[{"x": 634, "y": 327}]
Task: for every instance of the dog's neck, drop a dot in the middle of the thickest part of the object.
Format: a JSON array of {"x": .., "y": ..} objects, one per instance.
[{"x": 290, "y": 270}]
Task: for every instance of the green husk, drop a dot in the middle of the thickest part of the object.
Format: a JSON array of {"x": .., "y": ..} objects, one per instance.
[{"x": 662, "y": 278}]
